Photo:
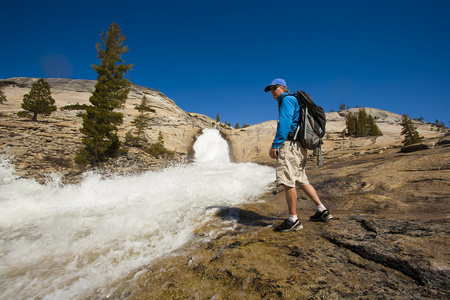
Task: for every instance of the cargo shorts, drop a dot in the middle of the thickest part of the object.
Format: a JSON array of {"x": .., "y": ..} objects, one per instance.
[{"x": 291, "y": 164}]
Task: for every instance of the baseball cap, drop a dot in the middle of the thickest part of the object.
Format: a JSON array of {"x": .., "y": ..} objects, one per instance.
[{"x": 277, "y": 81}]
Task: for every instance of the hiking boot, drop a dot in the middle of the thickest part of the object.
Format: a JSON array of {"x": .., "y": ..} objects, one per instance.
[
  {"x": 321, "y": 216},
  {"x": 289, "y": 226}
]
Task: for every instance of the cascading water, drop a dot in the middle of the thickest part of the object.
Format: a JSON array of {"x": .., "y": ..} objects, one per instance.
[
  {"x": 69, "y": 241},
  {"x": 211, "y": 148}
]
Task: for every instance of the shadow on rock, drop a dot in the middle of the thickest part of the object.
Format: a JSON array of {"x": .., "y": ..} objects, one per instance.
[{"x": 244, "y": 217}]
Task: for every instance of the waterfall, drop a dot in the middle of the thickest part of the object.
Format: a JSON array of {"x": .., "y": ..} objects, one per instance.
[
  {"x": 70, "y": 241},
  {"x": 210, "y": 147}
]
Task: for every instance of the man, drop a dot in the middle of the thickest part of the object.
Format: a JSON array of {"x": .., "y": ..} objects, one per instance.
[{"x": 291, "y": 158}]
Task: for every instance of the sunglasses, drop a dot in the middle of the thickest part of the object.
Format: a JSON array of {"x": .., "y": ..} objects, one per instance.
[{"x": 274, "y": 87}]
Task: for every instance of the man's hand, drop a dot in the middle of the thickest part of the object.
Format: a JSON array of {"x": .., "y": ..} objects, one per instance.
[{"x": 273, "y": 153}]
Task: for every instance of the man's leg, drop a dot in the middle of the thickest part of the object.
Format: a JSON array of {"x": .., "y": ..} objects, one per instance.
[
  {"x": 322, "y": 213},
  {"x": 292, "y": 223},
  {"x": 291, "y": 199},
  {"x": 310, "y": 191}
]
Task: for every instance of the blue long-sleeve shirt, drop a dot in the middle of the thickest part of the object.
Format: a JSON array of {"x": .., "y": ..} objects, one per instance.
[{"x": 288, "y": 115}]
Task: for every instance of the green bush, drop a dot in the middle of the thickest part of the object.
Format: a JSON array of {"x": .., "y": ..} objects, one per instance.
[{"x": 158, "y": 149}]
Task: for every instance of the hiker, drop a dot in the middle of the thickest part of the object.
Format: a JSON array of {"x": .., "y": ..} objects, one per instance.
[{"x": 291, "y": 159}]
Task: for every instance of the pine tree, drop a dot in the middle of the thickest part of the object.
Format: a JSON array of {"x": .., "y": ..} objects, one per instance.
[
  {"x": 143, "y": 119},
  {"x": 217, "y": 117},
  {"x": 361, "y": 124},
  {"x": 38, "y": 101},
  {"x": 361, "y": 128},
  {"x": 409, "y": 131},
  {"x": 158, "y": 147},
  {"x": 373, "y": 129},
  {"x": 100, "y": 121},
  {"x": 351, "y": 124},
  {"x": 140, "y": 122}
]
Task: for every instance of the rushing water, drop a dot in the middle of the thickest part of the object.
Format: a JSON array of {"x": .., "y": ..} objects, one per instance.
[{"x": 69, "y": 241}]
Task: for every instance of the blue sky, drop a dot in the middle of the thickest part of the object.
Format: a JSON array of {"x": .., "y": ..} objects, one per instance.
[{"x": 216, "y": 56}]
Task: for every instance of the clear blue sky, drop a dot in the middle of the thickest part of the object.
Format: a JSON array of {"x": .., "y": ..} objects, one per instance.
[{"x": 216, "y": 56}]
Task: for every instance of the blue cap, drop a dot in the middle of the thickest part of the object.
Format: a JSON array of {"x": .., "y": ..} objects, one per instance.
[{"x": 277, "y": 81}]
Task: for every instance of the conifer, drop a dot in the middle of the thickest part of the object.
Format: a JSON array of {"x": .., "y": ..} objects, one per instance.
[
  {"x": 361, "y": 128},
  {"x": 141, "y": 121},
  {"x": 38, "y": 101},
  {"x": 100, "y": 121},
  {"x": 158, "y": 148},
  {"x": 373, "y": 129},
  {"x": 409, "y": 131},
  {"x": 361, "y": 124},
  {"x": 351, "y": 124}
]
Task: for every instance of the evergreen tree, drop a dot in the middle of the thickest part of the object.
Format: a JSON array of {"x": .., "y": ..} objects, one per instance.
[
  {"x": 409, "y": 131},
  {"x": 158, "y": 147},
  {"x": 143, "y": 119},
  {"x": 361, "y": 129},
  {"x": 140, "y": 122},
  {"x": 38, "y": 101},
  {"x": 217, "y": 117},
  {"x": 2, "y": 94},
  {"x": 361, "y": 124},
  {"x": 100, "y": 121},
  {"x": 373, "y": 129},
  {"x": 342, "y": 107},
  {"x": 236, "y": 126},
  {"x": 351, "y": 124}
]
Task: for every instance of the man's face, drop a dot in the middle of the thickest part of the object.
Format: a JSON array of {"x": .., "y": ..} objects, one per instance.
[{"x": 276, "y": 91}]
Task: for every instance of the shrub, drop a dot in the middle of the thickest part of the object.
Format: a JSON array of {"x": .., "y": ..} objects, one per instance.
[
  {"x": 158, "y": 149},
  {"x": 76, "y": 106}
]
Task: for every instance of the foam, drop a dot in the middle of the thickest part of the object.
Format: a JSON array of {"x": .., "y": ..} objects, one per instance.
[{"x": 66, "y": 241}]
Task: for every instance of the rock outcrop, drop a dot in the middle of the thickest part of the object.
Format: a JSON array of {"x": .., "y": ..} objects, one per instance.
[
  {"x": 389, "y": 239},
  {"x": 39, "y": 148}
]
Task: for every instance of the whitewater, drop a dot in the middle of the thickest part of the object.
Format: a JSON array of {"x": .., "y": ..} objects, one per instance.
[{"x": 70, "y": 241}]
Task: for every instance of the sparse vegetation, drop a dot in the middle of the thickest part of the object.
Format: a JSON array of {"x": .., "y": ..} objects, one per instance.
[
  {"x": 140, "y": 122},
  {"x": 441, "y": 126},
  {"x": 76, "y": 106},
  {"x": 38, "y": 101},
  {"x": 361, "y": 124},
  {"x": 158, "y": 149}
]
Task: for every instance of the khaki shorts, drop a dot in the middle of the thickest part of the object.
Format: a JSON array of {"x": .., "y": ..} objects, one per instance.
[{"x": 291, "y": 164}]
